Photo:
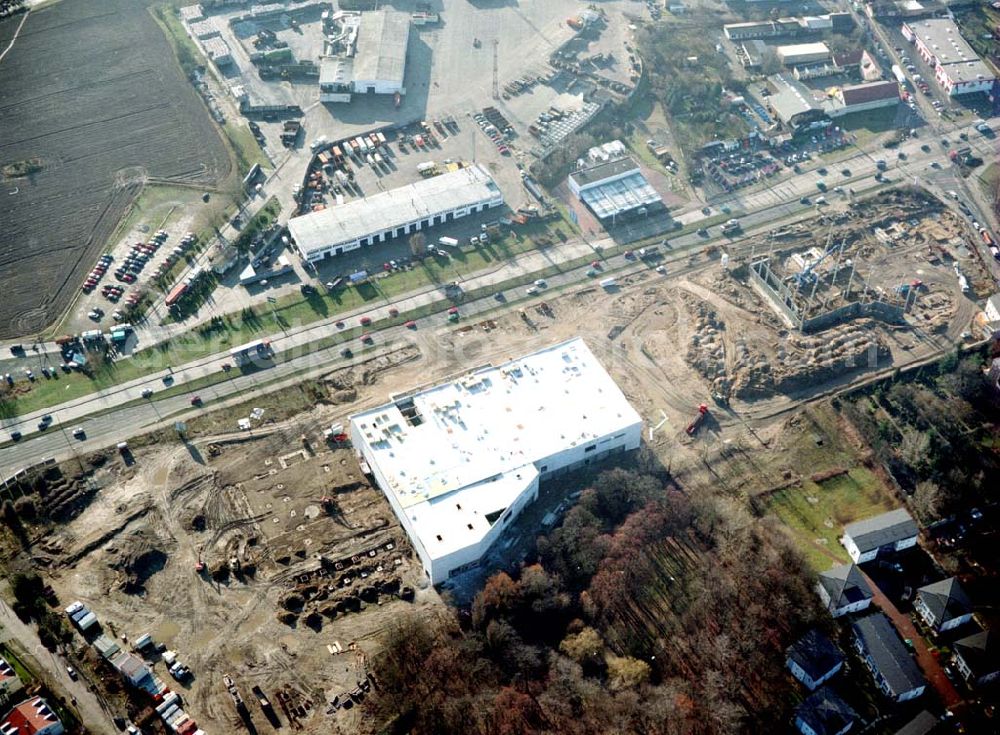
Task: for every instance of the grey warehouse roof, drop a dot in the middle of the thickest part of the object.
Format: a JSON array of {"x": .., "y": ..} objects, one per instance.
[
  {"x": 381, "y": 49},
  {"x": 845, "y": 585},
  {"x": 887, "y": 528},
  {"x": 348, "y": 222},
  {"x": 891, "y": 658}
]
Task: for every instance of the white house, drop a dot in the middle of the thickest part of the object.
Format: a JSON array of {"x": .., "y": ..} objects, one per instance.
[
  {"x": 460, "y": 460},
  {"x": 843, "y": 590},
  {"x": 977, "y": 657},
  {"x": 891, "y": 666},
  {"x": 814, "y": 659},
  {"x": 943, "y": 605},
  {"x": 892, "y": 531},
  {"x": 824, "y": 713},
  {"x": 992, "y": 308}
]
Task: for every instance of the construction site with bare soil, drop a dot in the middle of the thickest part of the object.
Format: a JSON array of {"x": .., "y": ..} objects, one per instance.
[{"x": 266, "y": 560}]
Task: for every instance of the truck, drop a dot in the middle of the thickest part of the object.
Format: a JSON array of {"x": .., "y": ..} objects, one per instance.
[
  {"x": 731, "y": 226},
  {"x": 650, "y": 251},
  {"x": 898, "y": 73},
  {"x": 448, "y": 241},
  {"x": 427, "y": 168}
]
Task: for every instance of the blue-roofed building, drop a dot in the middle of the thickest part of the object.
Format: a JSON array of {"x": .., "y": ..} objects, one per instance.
[{"x": 615, "y": 189}]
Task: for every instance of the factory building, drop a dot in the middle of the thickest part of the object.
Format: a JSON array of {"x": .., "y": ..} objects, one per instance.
[
  {"x": 376, "y": 60},
  {"x": 460, "y": 460},
  {"x": 394, "y": 213},
  {"x": 802, "y": 53},
  {"x": 615, "y": 189},
  {"x": 957, "y": 67},
  {"x": 802, "y": 107}
]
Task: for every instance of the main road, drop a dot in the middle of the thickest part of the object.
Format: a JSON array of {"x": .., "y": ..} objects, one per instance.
[{"x": 119, "y": 412}]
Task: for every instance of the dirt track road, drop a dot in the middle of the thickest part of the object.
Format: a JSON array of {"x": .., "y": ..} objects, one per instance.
[{"x": 47, "y": 664}]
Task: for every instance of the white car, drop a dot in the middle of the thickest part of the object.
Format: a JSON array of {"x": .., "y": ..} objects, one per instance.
[
  {"x": 541, "y": 283},
  {"x": 78, "y": 432},
  {"x": 532, "y": 291}
]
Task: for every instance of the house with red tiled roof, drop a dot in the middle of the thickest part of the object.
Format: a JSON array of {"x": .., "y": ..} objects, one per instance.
[
  {"x": 31, "y": 717},
  {"x": 10, "y": 684}
]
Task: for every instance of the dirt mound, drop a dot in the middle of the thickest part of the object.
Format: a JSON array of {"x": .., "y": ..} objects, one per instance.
[{"x": 135, "y": 557}]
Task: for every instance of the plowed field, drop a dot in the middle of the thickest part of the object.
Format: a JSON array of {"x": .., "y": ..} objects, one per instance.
[{"x": 92, "y": 90}]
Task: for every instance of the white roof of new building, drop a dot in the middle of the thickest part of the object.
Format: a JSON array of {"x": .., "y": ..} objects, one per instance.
[
  {"x": 345, "y": 223},
  {"x": 381, "y": 50},
  {"x": 800, "y": 49},
  {"x": 943, "y": 38},
  {"x": 336, "y": 70},
  {"x": 474, "y": 446},
  {"x": 968, "y": 71}
]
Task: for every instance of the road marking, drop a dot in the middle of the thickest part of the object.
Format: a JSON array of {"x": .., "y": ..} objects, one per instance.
[{"x": 14, "y": 37}]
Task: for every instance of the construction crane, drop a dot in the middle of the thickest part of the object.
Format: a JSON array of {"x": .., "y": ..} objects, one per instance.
[
  {"x": 807, "y": 275},
  {"x": 496, "y": 69}
]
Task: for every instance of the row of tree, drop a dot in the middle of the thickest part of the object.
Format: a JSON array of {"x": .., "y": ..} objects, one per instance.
[{"x": 648, "y": 611}]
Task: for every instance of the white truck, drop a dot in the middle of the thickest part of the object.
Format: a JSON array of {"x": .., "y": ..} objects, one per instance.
[{"x": 731, "y": 226}]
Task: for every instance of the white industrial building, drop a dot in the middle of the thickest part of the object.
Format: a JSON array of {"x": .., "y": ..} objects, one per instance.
[
  {"x": 460, "y": 460},
  {"x": 957, "y": 67},
  {"x": 375, "y": 62},
  {"x": 615, "y": 189},
  {"x": 394, "y": 213},
  {"x": 803, "y": 53}
]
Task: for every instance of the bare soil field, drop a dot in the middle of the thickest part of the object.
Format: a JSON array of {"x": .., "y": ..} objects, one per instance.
[{"x": 92, "y": 90}]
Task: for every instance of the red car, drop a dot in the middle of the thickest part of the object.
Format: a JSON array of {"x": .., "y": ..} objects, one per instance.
[
  {"x": 367, "y": 338},
  {"x": 195, "y": 400},
  {"x": 410, "y": 324},
  {"x": 129, "y": 278},
  {"x": 394, "y": 312},
  {"x": 453, "y": 310},
  {"x": 365, "y": 321}
]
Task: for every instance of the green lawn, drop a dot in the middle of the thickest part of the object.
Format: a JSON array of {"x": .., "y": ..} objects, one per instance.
[{"x": 816, "y": 513}]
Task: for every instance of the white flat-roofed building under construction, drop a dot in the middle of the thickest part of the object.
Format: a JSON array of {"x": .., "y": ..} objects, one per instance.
[
  {"x": 460, "y": 460},
  {"x": 394, "y": 213}
]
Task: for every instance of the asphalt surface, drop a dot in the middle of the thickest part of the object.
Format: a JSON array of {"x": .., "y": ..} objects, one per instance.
[
  {"x": 117, "y": 413},
  {"x": 87, "y": 705}
]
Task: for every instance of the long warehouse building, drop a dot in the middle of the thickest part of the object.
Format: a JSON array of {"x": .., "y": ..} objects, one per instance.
[
  {"x": 459, "y": 461},
  {"x": 394, "y": 213}
]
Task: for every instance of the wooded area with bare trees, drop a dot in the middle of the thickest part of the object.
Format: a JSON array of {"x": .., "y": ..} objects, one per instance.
[{"x": 647, "y": 611}]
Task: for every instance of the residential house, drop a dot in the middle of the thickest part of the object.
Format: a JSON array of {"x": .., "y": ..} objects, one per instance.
[
  {"x": 31, "y": 717},
  {"x": 10, "y": 684},
  {"x": 977, "y": 657},
  {"x": 943, "y": 605},
  {"x": 923, "y": 724},
  {"x": 813, "y": 659},
  {"x": 843, "y": 589},
  {"x": 890, "y": 664},
  {"x": 892, "y": 531},
  {"x": 824, "y": 713},
  {"x": 992, "y": 308}
]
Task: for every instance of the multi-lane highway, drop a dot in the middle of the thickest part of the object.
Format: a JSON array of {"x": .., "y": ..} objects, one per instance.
[{"x": 117, "y": 413}]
